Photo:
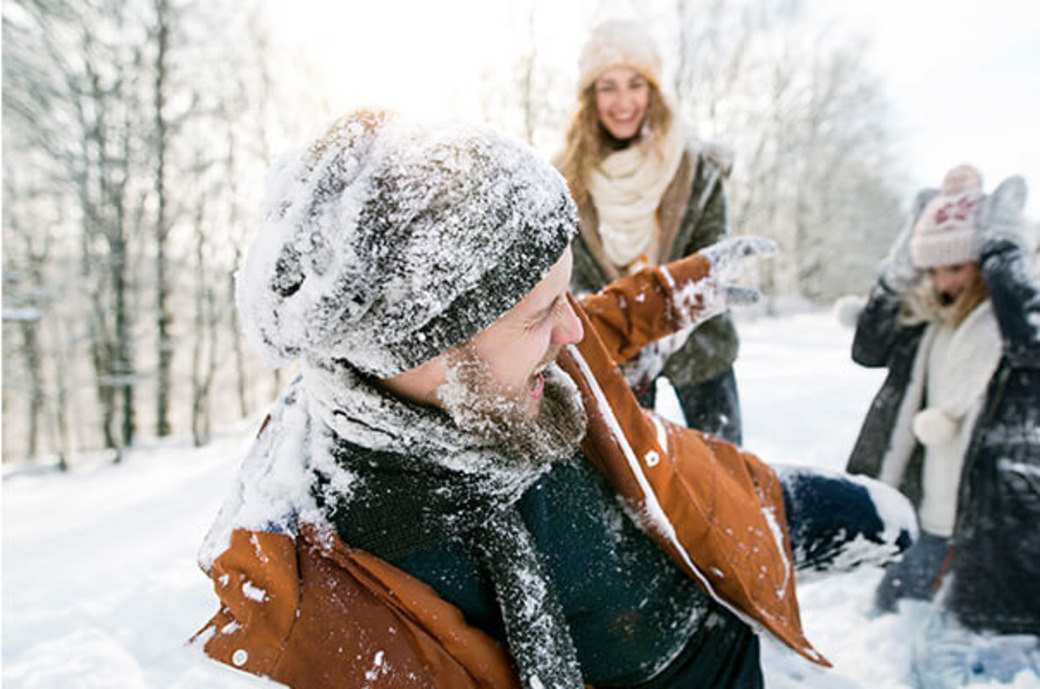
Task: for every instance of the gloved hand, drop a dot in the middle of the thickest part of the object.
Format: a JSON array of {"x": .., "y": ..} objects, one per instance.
[
  {"x": 696, "y": 302},
  {"x": 916, "y": 575},
  {"x": 1000, "y": 218},
  {"x": 642, "y": 370},
  {"x": 899, "y": 272}
]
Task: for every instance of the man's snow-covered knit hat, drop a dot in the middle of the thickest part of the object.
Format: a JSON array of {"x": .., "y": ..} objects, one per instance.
[
  {"x": 947, "y": 231},
  {"x": 619, "y": 44},
  {"x": 388, "y": 242}
]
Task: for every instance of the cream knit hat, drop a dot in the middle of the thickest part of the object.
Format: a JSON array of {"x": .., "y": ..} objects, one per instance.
[
  {"x": 947, "y": 231},
  {"x": 619, "y": 44}
]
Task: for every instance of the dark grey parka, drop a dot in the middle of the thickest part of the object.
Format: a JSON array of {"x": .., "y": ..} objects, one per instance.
[{"x": 693, "y": 214}]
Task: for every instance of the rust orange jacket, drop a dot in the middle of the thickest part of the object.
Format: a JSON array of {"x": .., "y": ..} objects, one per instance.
[{"x": 313, "y": 612}]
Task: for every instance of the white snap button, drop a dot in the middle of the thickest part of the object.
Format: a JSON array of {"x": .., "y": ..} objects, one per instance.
[{"x": 240, "y": 657}]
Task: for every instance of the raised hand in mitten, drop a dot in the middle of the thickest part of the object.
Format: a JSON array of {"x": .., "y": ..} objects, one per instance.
[
  {"x": 697, "y": 301},
  {"x": 1000, "y": 219},
  {"x": 898, "y": 272}
]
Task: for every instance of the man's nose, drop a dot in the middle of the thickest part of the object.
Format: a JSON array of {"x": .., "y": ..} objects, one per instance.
[{"x": 567, "y": 329}]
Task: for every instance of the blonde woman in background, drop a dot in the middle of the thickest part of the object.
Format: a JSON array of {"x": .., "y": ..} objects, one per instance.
[{"x": 648, "y": 193}]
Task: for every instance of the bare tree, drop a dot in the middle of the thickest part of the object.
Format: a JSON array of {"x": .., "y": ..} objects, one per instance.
[
  {"x": 204, "y": 345},
  {"x": 162, "y": 133},
  {"x": 809, "y": 127}
]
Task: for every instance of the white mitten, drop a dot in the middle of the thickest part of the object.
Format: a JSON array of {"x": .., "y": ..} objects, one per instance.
[
  {"x": 899, "y": 272},
  {"x": 696, "y": 302},
  {"x": 848, "y": 308},
  {"x": 1001, "y": 214},
  {"x": 933, "y": 426}
]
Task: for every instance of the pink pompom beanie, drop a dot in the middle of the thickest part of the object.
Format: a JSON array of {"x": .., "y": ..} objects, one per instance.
[
  {"x": 618, "y": 43},
  {"x": 947, "y": 231}
]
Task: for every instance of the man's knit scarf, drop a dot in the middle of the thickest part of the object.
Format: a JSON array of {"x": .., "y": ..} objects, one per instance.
[{"x": 400, "y": 477}]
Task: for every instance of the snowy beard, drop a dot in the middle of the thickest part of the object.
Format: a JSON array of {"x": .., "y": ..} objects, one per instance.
[{"x": 480, "y": 405}]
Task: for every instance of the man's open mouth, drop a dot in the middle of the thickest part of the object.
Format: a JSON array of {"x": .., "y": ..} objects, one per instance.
[{"x": 537, "y": 385}]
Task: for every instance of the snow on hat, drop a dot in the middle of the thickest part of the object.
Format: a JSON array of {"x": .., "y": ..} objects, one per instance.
[
  {"x": 947, "y": 231},
  {"x": 387, "y": 242},
  {"x": 619, "y": 44}
]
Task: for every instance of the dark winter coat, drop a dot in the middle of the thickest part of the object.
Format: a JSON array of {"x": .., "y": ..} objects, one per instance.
[
  {"x": 995, "y": 565},
  {"x": 715, "y": 511},
  {"x": 693, "y": 214}
]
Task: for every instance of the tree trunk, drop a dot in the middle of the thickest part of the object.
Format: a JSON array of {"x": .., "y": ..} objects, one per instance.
[
  {"x": 31, "y": 352},
  {"x": 163, "y": 317},
  {"x": 200, "y": 379}
]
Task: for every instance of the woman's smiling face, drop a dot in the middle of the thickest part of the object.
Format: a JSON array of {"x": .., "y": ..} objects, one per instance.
[
  {"x": 622, "y": 97},
  {"x": 949, "y": 281}
]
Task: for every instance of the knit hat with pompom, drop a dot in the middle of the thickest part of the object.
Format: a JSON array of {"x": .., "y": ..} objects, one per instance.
[
  {"x": 947, "y": 230},
  {"x": 387, "y": 242},
  {"x": 619, "y": 44}
]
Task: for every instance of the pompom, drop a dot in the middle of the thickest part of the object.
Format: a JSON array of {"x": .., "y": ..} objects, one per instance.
[
  {"x": 848, "y": 308},
  {"x": 933, "y": 426},
  {"x": 960, "y": 179},
  {"x": 281, "y": 179}
]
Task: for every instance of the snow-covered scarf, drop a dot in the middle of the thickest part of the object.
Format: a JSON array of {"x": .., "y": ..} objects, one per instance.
[
  {"x": 627, "y": 187},
  {"x": 404, "y": 478}
]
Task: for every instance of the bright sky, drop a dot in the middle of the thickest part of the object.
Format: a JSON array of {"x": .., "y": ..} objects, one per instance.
[{"x": 964, "y": 77}]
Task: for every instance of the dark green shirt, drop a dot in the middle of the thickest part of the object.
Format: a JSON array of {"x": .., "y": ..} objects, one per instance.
[{"x": 636, "y": 619}]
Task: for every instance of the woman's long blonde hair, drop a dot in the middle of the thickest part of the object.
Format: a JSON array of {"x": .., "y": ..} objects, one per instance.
[
  {"x": 972, "y": 295},
  {"x": 588, "y": 141}
]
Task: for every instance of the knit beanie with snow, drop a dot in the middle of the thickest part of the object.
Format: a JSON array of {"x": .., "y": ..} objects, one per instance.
[
  {"x": 947, "y": 231},
  {"x": 619, "y": 44},
  {"x": 388, "y": 242}
]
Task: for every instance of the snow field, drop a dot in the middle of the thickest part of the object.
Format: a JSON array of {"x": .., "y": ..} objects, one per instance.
[{"x": 101, "y": 588}]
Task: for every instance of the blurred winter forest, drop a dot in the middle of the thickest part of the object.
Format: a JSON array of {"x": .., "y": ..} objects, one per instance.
[{"x": 136, "y": 134}]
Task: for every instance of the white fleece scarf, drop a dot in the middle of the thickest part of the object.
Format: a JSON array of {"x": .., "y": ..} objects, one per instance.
[
  {"x": 971, "y": 359},
  {"x": 627, "y": 187}
]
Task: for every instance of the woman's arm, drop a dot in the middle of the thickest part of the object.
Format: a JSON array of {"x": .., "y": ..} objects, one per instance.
[
  {"x": 877, "y": 330},
  {"x": 1006, "y": 269},
  {"x": 657, "y": 301}
]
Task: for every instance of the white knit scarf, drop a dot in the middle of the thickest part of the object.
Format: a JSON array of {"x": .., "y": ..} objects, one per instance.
[{"x": 627, "y": 187}]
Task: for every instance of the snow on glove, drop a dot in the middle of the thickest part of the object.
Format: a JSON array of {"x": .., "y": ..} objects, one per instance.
[
  {"x": 1001, "y": 216},
  {"x": 641, "y": 371},
  {"x": 696, "y": 302},
  {"x": 899, "y": 272}
]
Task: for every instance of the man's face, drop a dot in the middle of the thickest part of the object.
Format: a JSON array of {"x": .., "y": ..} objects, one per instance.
[
  {"x": 519, "y": 345},
  {"x": 514, "y": 350},
  {"x": 949, "y": 282}
]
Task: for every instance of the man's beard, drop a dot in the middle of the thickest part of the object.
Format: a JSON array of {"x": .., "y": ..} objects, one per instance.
[{"x": 480, "y": 405}]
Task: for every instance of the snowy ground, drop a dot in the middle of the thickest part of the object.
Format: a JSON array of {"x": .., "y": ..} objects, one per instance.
[{"x": 100, "y": 586}]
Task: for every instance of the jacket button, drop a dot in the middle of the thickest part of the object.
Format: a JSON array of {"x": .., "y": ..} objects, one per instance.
[{"x": 239, "y": 657}]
